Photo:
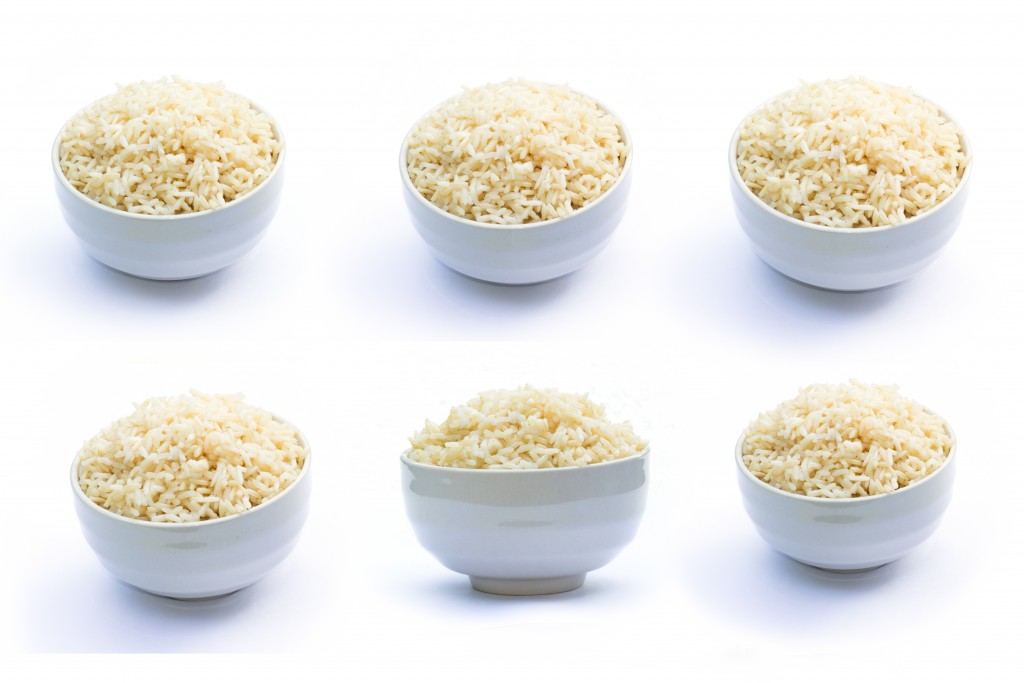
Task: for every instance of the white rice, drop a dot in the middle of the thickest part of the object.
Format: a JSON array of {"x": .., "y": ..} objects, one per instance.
[
  {"x": 190, "y": 458},
  {"x": 516, "y": 152},
  {"x": 168, "y": 147},
  {"x": 845, "y": 441},
  {"x": 851, "y": 154},
  {"x": 525, "y": 428}
]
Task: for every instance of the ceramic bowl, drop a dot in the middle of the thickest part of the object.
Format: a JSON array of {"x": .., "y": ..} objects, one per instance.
[
  {"x": 849, "y": 534},
  {"x": 526, "y": 532},
  {"x": 518, "y": 255},
  {"x": 178, "y": 247},
  {"x": 194, "y": 560},
  {"x": 846, "y": 259}
]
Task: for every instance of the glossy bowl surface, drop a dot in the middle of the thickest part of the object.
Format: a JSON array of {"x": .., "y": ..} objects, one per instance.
[
  {"x": 518, "y": 255},
  {"x": 846, "y": 259},
  {"x": 849, "y": 534},
  {"x": 526, "y": 532},
  {"x": 193, "y": 560},
  {"x": 177, "y": 247}
]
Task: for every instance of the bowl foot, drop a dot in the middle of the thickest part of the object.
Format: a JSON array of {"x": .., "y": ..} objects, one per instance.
[
  {"x": 181, "y": 598},
  {"x": 559, "y": 584},
  {"x": 200, "y": 598},
  {"x": 858, "y": 570}
]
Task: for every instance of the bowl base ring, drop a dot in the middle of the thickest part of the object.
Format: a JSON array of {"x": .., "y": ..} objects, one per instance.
[
  {"x": 855, "y": 570},
  {"x": 180, "y": 598},
  {"x": 200, "y": 598},
  {"x": 548, "y": 586}
]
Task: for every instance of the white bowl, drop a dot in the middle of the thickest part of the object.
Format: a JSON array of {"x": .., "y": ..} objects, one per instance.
[
  {"x": 177, "y": 247},
  {"x": 192, "y": 560},
  {"x": 847, "y": 534},
  {"x": 518, "y": 255},
  {"x": 526, "y": 532},
  {"x": 846, "y": 259}
]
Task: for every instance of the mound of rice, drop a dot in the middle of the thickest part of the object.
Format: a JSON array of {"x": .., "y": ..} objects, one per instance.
[
  {"x": 524, "y": 429},
  {"x": 190, "y": 458},
  {"x": 168, "y": 147},
  {"x": 516, "y": 152},
  {"x": 851, "y": 154},
  {"x": 845, "y": 441}
]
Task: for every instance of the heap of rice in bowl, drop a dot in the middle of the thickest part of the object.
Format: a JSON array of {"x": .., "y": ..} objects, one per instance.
[
  {"x": 516, "y": 152},
  {"x": 845, "y": 441},
  {"x": 190, "y": 458},
  {"x": 525, "y": 428},
  {"x": 168, "y": 147},
  {"x": 851, "y": 154}
]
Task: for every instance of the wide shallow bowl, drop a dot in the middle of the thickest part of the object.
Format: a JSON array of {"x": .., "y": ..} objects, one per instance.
[
  {"x": 526, "y": 532},
  {"x": 518, "y": 255},
  {"x": 191, "y": 560},
  {"x": 846, "y": 259},
  {"x": 848, "y": 534},
  {"x": 178, "y": 247}
]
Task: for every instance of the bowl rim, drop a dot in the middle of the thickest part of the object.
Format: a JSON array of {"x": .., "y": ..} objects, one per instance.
[
  {"x": 403, "y": 168},
  {"x": 860, "y": 500},
  {"x": 89, "y": 201},
  {"x": 104, "y": 512},
  {"x": 738, "y": 180},
  {"x": 546, "y": 471}
]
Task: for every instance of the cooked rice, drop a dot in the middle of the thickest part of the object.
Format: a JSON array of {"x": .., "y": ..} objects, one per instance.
[
  {"x": 845, "y": 441},
  {"x": 851, "y": 154},
  {"x": 190, "y": 458},
  {"x": 168, "y": 147},
  {"x": 525, "y": 428},
  {"x": 516, "y": 152}
]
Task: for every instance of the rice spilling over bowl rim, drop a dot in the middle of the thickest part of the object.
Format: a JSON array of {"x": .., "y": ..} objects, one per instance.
[
  {"x": 524, "y": 428},
  {"x": 190, "y": 458},
  {"x": 168, "y": 147},
  {"x": 516, "y": 152},
  {"x": 851, "y": 153},
  {"x": 845, "y": 441}
]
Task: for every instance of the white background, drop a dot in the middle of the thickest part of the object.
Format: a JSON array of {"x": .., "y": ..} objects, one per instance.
[{"x": 341, "y": 321}]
